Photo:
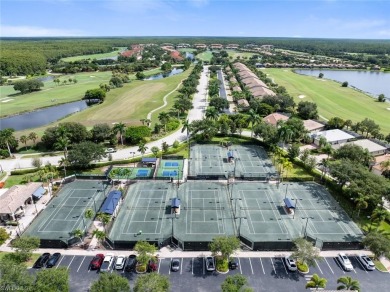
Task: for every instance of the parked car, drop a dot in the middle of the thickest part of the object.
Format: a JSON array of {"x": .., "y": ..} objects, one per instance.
[
  {"x": 107, "y": 263},
  {"x": 345, "y": 262},
  {"x": 97, "y": 261},
  {"x": 290, "y": 263},
  {"x": 53, "y": 259},
  {"x": 131, "y": 263},
  {"x": 175, "y": 265},
  {"x": 233, "y": 264},
  {"x": 41, "y": 261},
  {"x": 110, "y": 150},
  {"x": 152, "y": 265},
  {"x": 120, "y": 262},
  {"x": 367, "y": 262},
  {"x": 210, "y": 264}
]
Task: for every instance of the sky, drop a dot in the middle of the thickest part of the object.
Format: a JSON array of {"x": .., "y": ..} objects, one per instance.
[{"x": 356, "y": 19}]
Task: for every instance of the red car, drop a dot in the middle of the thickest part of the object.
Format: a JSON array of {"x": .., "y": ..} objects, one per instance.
[
  {"x": 97, "y": 261},
  {"x": 152, "y": 265}
]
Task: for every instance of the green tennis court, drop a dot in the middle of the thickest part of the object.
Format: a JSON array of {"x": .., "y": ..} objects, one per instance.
[
  {"x": 65, "y": 212},
  {"x": 170, "y": 169}
]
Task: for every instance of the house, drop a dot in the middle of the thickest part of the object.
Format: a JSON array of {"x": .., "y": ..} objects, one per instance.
[
  {"x": 274, "y": 118},
  {"x": 14, "y": 201},
  {"x": 333, "y": 137},
  {"x": 377, "y": 167},
  {"x": 216, "y": 46},
  {"x": 312, "y": 126},
  {"x": 232, "y": 46},
  {"x": 200, "y": 46},
  {"x": 267, "y": 47},
  {"x": 372, "y": 147}
]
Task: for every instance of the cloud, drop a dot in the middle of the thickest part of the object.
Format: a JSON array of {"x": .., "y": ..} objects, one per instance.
[
  {"x": 34, "y": 31},
  {"x": 384, "y": 32},
  {"x": 199, "y": 3}
]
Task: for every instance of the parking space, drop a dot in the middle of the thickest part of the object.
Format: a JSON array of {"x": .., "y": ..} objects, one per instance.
[{"x": 264, "y": 274}]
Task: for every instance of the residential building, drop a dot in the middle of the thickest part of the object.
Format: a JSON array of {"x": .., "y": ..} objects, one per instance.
[
  {"x": 375, "y": 149},
  {"x": 333, "y": 137},
  {"x": 313, "y": 126},
  {"x": 274, "y": 118}
]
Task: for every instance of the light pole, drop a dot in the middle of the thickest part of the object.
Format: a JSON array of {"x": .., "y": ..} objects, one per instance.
[
  {"x": 235, "y": 165},
  {"x": 239, "y": 226},
  {"x": 94, "y": 204},
  {"x": 235, "y": 204},
  {"x": 285, "y": 195},
  {"x": 307, "y": 221}
]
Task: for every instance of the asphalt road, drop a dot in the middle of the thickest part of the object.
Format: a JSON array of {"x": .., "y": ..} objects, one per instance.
[{"x": 263, "y": 274}]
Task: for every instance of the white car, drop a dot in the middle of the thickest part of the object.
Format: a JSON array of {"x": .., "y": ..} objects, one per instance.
[
  {"x": 367, "y": 262},
  {"x": 210, "y": 264},
  {"x": 110, "y": 150},
  {"x": 290, "y": 263},
  {"x": 120, "y": 262},
  {"x": 345, "y": 262},
  {"x": 107, "y": 262}
]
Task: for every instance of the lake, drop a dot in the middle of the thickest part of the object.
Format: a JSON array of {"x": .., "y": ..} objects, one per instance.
[
  {"x": 175, "y": 71},
  {"x": 43, "y": 116},
  {"x": 372, "y": 82}
]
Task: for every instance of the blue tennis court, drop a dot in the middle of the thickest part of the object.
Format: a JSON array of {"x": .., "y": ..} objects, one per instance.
[
  {"x": 171, "y": 164},
  {"x": 170, "y": 173},
  {"x": 142, "y": 172}
]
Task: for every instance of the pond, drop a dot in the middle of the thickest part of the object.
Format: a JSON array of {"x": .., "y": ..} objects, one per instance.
[
  {"x": 43, "y": 116},
  {"x": 190, "y": 56},
  {"x": 372, "y": 82},
  {"x": 175, "y": 71}
]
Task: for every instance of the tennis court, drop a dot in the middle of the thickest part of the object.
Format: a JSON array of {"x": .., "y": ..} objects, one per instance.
[
  {"x": 262, "y": 216},
  {"x": 65, "y": 212},
  {"x": 170, "y": 169},
  {"x": 144, "y": 214},
  {"x": 248, "y": 161}
]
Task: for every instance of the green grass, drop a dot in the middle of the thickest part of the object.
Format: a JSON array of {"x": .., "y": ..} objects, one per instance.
[
  {"x": 332, "y": 99},
  {"x": 29, "y": 263},
  {"x": 187, "y": 50},
  {"x": 379, "y": 266},
  {"x": 205, "y": 56},
  {"x": 242, "y": 55},
  {"x": 94, "y": 56}
]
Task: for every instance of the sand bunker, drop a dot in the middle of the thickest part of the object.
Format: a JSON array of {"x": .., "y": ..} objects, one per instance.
[
  {"x": 301, "y": 96},
  {"x": 388, "y": 108},
  {"x": 7, "y": 100}
]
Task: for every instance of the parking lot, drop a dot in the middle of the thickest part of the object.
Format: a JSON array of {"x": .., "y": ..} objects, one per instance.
[{"x": 264, "y": 274}]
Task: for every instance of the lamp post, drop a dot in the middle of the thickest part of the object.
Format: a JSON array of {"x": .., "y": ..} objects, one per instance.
[
  {"x": 235, "y": 165},
  {"x": 285, "y": 195},
  {"x": 239, "y": 226},
  {"x": 307, "y": 221},
  {"x": 235, "y": 204}
]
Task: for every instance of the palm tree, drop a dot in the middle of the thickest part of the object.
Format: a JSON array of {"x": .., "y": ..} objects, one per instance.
[
  {"x": 7, "y": 135},
  {"x": 287, "y": 165},
  {"x": 63, "y": 143},
  {"x": 316, "y": 282},
  {"x": 24, "y": 140},
  {"x": 254, "y": 119},
  {"x": 100, "y": 235},
  {"x": 327, "y": 149},
  {"x": 119, "y": 128},
  {"x": 104, "y": 218},
  {"x": 285, "y": 133},
  {"x": 142, "y": 148},
  {"x": 348, "y": 284},
  {"x": 65, "y": 163},
  {"x": 187, "y": 127},
  {"x": 379, "y": 214},
  {"x": 78, "y": 233},
  {"x": 212, "y": 113},
  {"x": 33, "y": 136},
  {"x": 163, "y": 117},
  {"x": 89, "y": 214},
  {"x": 361, "y": 202}
]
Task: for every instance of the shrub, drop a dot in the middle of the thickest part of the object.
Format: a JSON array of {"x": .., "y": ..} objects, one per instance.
[
  {"x": 173, "y": 125},
  {"x": 222, "y": 264},
  {"x": 344, "y": 84},
  {"x": 3, "y": 235},
  {"x": 175, "y": 144},
  {"x": 302, "y": 267},
  {"x": 4, "y": 153}
]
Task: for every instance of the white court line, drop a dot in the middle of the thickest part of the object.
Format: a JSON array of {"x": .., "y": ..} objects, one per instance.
[
  {"x": 250, "y": 262},
  {"x": 81, "y": 264},
  {"x": 262, "y": 266},
  {"x": 329, "y": 266},
  {"x": 318, "y": 266},
  {"x": 239, "y": 264},
  {"x": 59, "y": 262},
  {"x": 284, "y": 265},
  {"x": 361, "y": 264},
  {"x": 273, "y": 265},
  {"x": 181, "y": 266},
  {"x": 192, "y": 265},
  {"x": 70, "y": 263}
]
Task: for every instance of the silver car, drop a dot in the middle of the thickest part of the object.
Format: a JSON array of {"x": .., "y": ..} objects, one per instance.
[
  {"x": 175, "y": 265},
  {"x": 210, "y": 264},
  {"x": 290, "y": 263},
  {"x": 344, "y": 262},
  {"x": 367, "y": 262}
]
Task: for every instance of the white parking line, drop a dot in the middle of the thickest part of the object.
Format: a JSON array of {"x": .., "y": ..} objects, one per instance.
[
  {"x": 181, "y": 266},
  {"x": 262, "y": 266},
  {"x": 192, "y": 265},
  {"x": 81, "y": 264},
  {"x": 158, "y": 269},
  {"x": 70, "y": 263},
  {"x": 318, "y": 266},
  {"x": 357, "y": 259},
  {"x": 169, "y": 272},
  {"x": 239, "y": 264},
  {"x": 337, "y": 262},
  {"x": 329, "y": 266},
  {"x": 203, "y": 264},
  {"x": 60, "y": 262},
  {"x": 284, "y": 265},
  {"x": 250, "y": 262},
  {"x": 273, "y": 265}
]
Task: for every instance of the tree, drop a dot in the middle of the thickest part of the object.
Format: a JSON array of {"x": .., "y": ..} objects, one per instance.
[
  {"x": 152, "y": 282},
  {"x": 84, "y": 153},
  {"x": 62, "y": 144},
  {"x": 145, "y": 251},
  {"x": 305, "y": 252},
  {"x": 164, "y": 117},
  {"x": 96, "y": 93},
  {"x": 335, "y": 123},
  {"x": 347, "y": 283},
  {"x": 100, "y": 235},
  {"x": 211, "y": 113},
  {"x": 321, "y": 75},
  {"x": 24, "y": 246},
  {"x": 110, "y": 282},
  {"x": 307, "y": 110},
  {"x": 219, "y": 103},
  {"x": 104, "y": 218},
  {"x": 224, "y": 246},
  {"x": 89, "y": 214},
  {"x": 3, "y": 235},
  {"x": 254, "y": 119},
  {"x": 164, "y": 147},
  {"x": 36, "y": 162},
  {"x": 140, "y": 76},
  {"x": 24, "y": 140},
  {"x": 142, "y": 148},
  {"x": 381, "y": 97},
  {"x": 344, "y": 84},
  {"x": 26, "y": 86},
  {"x": 47, "y": 279},
  {"x": 379, "y": 214},
  {"x": 361, "y": 202},
  {"x": 101, "y": 132},
  {"x": 378, "y": 244},
  {"x": 14, "y": 275},
  {"x": 316, "y": 282},
  {"x": 33, "y": 136},
  {"x": 166, "y": 66},
  {"x": 353, "y": 153},
  {"x": 155, "y": 150},
  {"x": 7, "y": 139},
  {"x": 63, "y": 162},
  {"x": 120, "y": 128},
  {"x": 78, "y": 233},
  {"x": 137, "y": 134},
  {"x": 186, "y": 127},
  {"x": 235, "y": 283}
]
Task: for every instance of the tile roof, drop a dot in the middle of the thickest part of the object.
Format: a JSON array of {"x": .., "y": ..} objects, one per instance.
[
  {"x": 274, "y": 118},
  {"x": 334, "y": 135},
  {"x": 15, "y": 197},
  {"x": 311, "y": 125}
]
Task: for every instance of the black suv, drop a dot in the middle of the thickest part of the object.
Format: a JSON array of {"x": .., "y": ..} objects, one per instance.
[
  {"x": 41, "y": 261},
  {"x": 131, "y": 263},
  {"x": 233, "y": 264},
  {"x": 53, "y": 260}
]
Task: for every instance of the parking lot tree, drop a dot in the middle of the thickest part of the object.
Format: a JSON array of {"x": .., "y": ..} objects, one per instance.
[
  {"x": 14, "y": 275},
  {"x": 223, "y": 247},
  {"x": 316, "y": 282},
  {"x": 307, "y": 110},
  {"x": 236, "y": 283},
  {"x": 84, "y": 153},
  {"x": 3, "y": 235},
  {"x": 145, "y": 251},
  {"x": 347, "y": 283},
  {"x": 378, "y": 243},
  {"x": 152, "y": 282},
  {"x": 24, "y": 246},
  {"x": 47, "y": 279},
  {"x": 305, "y": 252},
  {"x": 110, "y": 282}
]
